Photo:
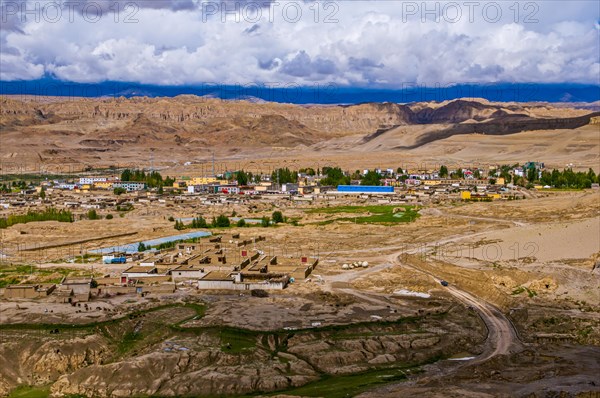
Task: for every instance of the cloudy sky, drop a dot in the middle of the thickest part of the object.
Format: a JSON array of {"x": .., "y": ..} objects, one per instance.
[{"x": 353, "y": 43}]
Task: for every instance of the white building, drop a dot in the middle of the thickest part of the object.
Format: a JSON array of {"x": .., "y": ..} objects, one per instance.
[
  {"x": 91, "y": 180},
  {"x": 130, "y": 185}
]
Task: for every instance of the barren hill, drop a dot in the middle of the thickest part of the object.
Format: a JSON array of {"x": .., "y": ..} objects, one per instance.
[{"x": 107, "y": 131}]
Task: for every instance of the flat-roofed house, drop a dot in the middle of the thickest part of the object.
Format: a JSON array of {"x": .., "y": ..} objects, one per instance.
[
  {"x": 187, "y": 271},
  {"x": 28, "y": 291}
]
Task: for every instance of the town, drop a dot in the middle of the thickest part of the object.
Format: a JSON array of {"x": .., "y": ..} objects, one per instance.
[{"x": 233, "y": 260}]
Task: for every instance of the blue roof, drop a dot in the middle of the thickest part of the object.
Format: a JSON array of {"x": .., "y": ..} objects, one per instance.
[{"x": 365, "y": 188}]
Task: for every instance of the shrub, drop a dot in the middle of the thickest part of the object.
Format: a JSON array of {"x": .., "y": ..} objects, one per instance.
[
  {"x": 241, "y": 223},
  {"x": 222, "y": 221},
  {"x": 265, "y": 221},
  {"x": 277, "y": 217},
  {"x": 109, "y": 216},
  {"x": 92, "y": 215},
  {"x": 259, "y": 293}
]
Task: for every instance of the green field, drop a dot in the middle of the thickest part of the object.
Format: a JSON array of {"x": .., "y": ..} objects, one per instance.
[
  {"x": 375, "y": 214},
  {"x": 30, "y": 392}
]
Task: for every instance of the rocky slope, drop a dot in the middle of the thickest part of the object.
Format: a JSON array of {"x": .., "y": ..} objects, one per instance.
[{"x": 145, "y": 356}]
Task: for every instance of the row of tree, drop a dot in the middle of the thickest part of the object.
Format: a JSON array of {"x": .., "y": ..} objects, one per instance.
[
  {"x": 153, "y": 179},
  {"x": 222, "y": 221},
  {"x": 50, "y": 214}
]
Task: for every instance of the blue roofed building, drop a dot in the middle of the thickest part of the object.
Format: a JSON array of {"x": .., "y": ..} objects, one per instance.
[{"x": 365, "y": 189}]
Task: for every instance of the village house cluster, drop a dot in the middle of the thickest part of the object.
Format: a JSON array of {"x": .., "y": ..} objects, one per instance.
[
  {"x": 222, "y": 262},
  {"x": 413, "y": 186}
]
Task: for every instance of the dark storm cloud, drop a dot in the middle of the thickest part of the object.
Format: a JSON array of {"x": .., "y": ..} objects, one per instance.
[
  {"x": 361, "y": 64},
  {"x": 269, "y": 64},
  {"x": 303, "y": 66}
]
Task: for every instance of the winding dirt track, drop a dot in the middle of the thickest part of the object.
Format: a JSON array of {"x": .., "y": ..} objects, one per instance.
[{"x": 502, "y": 336}]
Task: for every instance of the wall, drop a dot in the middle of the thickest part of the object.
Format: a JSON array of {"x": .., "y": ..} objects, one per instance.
[{"x": 230, "y": 285}]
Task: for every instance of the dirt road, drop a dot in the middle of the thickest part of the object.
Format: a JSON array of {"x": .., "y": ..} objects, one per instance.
[{"x": 502, "y": 336}]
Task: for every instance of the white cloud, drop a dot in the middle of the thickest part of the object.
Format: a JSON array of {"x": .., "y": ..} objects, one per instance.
[{"x": 372, "y": 43}]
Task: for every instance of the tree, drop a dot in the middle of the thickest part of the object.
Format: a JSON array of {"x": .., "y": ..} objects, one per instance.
[
  {"x": 241, "y": 223},
  {"x": 92, "y": 215},
  {"x": 443, "y": 171},
  {"x": 109, "y": 216},
  {"x": 334, "y": 176},
  {"x": 119, "y": 191},
  {"x": 284, "y": 176},
  {"x": 199, "y": 222},
  {"x": 43, "y": 193},
  {"x": 160, "y": 190},
  {"x": 142, "y": 247},
  {"x": 222, "y": 221},
  {"x": 371, "y": 178},
  {"x": 242, "y": 177},
  {"x": 179, "y": 225},
  {"x": 277, "y": 217},
  {"x": 265, "y": 221},
  {"x": 531, "y": 174}
]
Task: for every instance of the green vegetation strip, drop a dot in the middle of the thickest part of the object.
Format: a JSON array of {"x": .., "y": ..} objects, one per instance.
[
  {"x": 30, "y": 392},
  {"x": 383, "y": 214},
  {"x": 33, "y": 216}
]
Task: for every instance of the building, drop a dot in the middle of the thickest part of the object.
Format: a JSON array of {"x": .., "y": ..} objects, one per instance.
[
  {"x": 289, "y": 188},
  {"x": 28, "y": 291},
  {"x": 70, "y": 187},
  {"x": 130, "y": 186},
  {"x": 75, "y": 289},
  {"x": 187, "y": 271},
  {"x": 365, "y": 189},
  {"x": 138, "y": 271},
  {"x": 103, "y": 185},
  {"x": 219, "y": 280},
  {"x": 91, "y": 180}
]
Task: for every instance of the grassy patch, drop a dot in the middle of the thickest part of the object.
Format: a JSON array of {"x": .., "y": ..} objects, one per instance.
[
  {"x": 350, "y": 385},
  {"x": 30, "y": 392},
  {"x": 518, "y": 290},
  {"x": 521, "y": 289},
  {"x": 237, "y": 341},
  {"x": 382, "y": 214}
]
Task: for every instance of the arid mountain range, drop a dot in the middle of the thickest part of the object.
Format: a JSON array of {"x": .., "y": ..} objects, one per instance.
[{"x": 172, "y": 131}]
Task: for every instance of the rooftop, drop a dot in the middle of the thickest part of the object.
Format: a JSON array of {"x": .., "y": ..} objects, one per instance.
[{"x": 218, "y": 276}]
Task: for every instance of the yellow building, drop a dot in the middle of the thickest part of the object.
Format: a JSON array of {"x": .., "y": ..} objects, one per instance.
[
  {"x": 189, "y": 181},
  {"x": 202, "y": 180},
  {"x": 500, "y": 181},
  {"x": 432, "y": 182},
  {"x": 103, "y": 185},
  {"x": 466, "y": 195}
]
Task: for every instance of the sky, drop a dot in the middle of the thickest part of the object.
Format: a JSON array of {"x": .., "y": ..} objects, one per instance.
[{"x": 356, "y": 44}]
